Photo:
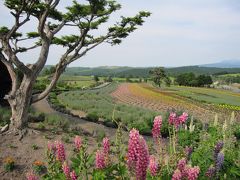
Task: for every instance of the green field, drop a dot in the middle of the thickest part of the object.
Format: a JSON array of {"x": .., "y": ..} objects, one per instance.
[{"x": 207, "y": 95}]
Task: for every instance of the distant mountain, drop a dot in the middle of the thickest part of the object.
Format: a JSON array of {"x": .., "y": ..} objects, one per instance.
[
  {"x": 224, "y": 64},
  {"x": 118, "y": 71}
]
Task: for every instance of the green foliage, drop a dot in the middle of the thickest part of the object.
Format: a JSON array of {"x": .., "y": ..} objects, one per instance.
[
  {"x": 92, "y": 117},
  {"x": 57, "y": 121},
  {"x": 158, "y": 75},
  {"x": 189, "y": 79}
]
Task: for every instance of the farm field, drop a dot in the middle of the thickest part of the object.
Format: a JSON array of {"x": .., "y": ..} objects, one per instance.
[
  {"x": 201, "y": 102},
  {"x": 99, "y": 104}
]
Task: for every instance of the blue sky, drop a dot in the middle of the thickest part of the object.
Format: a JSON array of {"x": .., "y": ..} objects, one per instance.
[{"x": 179, "y": 32}]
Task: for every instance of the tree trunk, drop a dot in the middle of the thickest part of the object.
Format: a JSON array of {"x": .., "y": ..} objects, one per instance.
[{"x": 20, "y": 104}]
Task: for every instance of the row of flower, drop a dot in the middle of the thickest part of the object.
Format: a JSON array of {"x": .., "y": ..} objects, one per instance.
[{"x": 215, "y": 155}]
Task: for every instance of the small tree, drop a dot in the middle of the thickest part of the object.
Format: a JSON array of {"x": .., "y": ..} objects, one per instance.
[
  {"x": 158, "y": 75},
  {"x": 96, "y": 78},
  {"x": 83, "y": 17}
]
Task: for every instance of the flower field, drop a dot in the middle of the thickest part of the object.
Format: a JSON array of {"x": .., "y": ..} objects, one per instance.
[
  {"x": 201, "y": 102},
  {"x": 214, "y": 154}
]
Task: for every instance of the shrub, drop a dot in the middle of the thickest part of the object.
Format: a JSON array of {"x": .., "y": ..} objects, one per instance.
[{"x": 92, "y": 117}]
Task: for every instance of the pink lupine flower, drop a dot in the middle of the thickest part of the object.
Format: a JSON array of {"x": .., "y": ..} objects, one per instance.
[
  {"x": 181, "y": 164},
  {"x": 66, "y": 170},
  {"x": 142, "y": 160},
  {"x": 106, "y": 145},
  {"x": 77, "y": 143},
  {"x": 156, "y": 130},
  {"x": 73, "y": 175},
  {"x": 138, "y": 155},
  {"x": 100, "y": 160},
  {"x": 31, "y": 176},
  {"x": 177, "y": 175},
  {"x": 61, "y": 156},
  {"x": 132, "y": 145},
  {"x": 183, "y": 118},
  {"x": 51, "y": 148},
  {"x": 153, "y": 166},
  {"x": 172, "y": 118},
  {"x": 192, "y": 173}
]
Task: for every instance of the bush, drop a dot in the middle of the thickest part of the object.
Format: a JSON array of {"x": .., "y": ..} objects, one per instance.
[{"x": 92, "y": 117}]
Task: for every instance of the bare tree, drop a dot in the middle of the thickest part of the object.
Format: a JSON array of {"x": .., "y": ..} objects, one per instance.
[{"x": 84, "y": 17}]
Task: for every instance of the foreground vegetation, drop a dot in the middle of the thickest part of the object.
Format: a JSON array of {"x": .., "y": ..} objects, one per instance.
[{"x": 193, "y": 152}]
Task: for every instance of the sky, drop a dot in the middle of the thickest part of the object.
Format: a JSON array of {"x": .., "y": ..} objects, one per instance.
[{"x": 178, "y": 33}]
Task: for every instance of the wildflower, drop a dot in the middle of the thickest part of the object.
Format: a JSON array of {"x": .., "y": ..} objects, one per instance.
[
  {"x": 172, "y": 118},
  {"x": 100, "y": 160},
  {"x": 138, "y": 155},
  {"x": 106, "y": 145},
  {"x": 153, "y": 166},
  {"x": 210, "y": 172},
  {"x": 219, "y": 162},
  {"x": 142, "y": 160},
  {"x": 219, "y": 146},
  {"x": 181, "y": 164},
  {"x": 156, "y": 130},
  {"x": 60, "y": 151},
  {"x": 31, "y": 176},
  {"x": 9, "y": 164},
  {"x": 73, "y": 175},
  {"x": 183, "y": 118},
  {"x": 177, "y": 175},
  {"x": 188, "y": 151},
  {"x": 51, "y": 148},
  {"x": 66, "y": 170},
  {"x": 217, "y": 149},
  {"x": 193, "y": 172},
  {"x": 132, "y": 145},
  {"x": 77, "y": 143}
]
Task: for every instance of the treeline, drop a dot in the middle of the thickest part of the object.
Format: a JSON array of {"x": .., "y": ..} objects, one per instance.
[{"x": 190, "y": 79}]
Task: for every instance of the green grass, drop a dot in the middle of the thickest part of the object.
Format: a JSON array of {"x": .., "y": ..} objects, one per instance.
[
  {"x": 100, "y": 103},
  {"x": 207, "y": 95}
]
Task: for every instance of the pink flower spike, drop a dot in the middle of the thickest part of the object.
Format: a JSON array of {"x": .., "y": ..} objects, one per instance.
[
  {"x": 181, "y": 164},
  {"x": 172, "y": 118},
  {"x": 61, "y": 156},
  {"x": 66, "y": 170},
  {"x": 153, "y": 166},
  {"x": 138, "y": 155},
  {"x": 77, "y": 143},
  {"x": 73, "y": 175},
  {"x": 156, "y": 130},
  {"x": 177, "y": 175},
  {"x": 106, "y": 145},
  {"x": 183, "y": 118},
  {"x": 192, "y": 173},
  {"x": 31, "y": 176},
  {"x": 100, "y": 160}
]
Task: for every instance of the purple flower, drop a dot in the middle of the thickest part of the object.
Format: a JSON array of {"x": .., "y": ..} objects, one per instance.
[
  {"x": 210, "y": 172},
  {"x": 219, "y": 162},
  {"x": 217, "y": 149},
  {"x": 188, "y": 152}
]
